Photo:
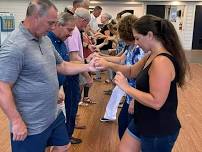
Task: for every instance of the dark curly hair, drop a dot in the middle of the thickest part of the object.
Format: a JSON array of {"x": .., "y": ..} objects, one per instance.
[{"x": 125, "y": 27}]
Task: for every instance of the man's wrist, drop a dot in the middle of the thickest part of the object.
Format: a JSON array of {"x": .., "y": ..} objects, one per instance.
[{"x": 15, "y": 120}]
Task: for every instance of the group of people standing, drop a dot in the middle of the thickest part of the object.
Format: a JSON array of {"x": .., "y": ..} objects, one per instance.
[{"x": 48, "y": 51}]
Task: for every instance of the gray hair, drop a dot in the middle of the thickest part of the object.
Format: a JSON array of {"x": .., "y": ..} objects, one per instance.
[
  {"x": 65, "y": 17},
  {"x": 75, "y": 2},
  {"x": 107, "y": 15},
  {"x": 39, "y": 6},
  {"x": 81, "y": 3},
  {"x": 82, "y": 13}
]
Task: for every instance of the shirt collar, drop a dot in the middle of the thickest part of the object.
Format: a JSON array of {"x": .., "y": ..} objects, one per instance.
[
  {"x": 27, "y": 33},
  {"x": 54, "y": 37}
]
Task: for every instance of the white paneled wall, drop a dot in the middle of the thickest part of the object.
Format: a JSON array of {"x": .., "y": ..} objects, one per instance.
[
  {"x": 18, "y": 8},
  {"x": 118, "y": 7},
  {"x": 62, "y": 4},
  {"x": 188, "y": 26},
  {"x": 110, "y": 7}
]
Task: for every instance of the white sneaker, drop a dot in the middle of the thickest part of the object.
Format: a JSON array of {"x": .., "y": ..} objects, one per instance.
[{"x": 106, "y": 120}]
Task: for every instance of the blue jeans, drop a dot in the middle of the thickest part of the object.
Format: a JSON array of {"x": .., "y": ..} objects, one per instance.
[
  {"x": 153, "y": 144},
  {"x": 158, "y": 144},
  {"x": 72, "y": 98},
  {"x": 124, "y": 119}
]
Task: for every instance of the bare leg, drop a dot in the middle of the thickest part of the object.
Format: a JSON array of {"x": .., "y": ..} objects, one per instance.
[
  {"x": 48, "y": 149},
  {"x": 129, "y": 144}
]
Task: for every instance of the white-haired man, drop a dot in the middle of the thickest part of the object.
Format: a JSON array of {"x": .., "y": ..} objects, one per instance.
[{"x": 71, "y": 85}]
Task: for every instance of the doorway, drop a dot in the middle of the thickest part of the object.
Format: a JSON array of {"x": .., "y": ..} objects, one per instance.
[
  {"x": 197, "y": 34},
  {"x": 157, "y": 10}
]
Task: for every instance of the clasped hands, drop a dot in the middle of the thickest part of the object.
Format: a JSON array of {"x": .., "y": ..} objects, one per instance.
[
  {"x": 99, "y": 63},
  {"x": 96, "y": 61}
]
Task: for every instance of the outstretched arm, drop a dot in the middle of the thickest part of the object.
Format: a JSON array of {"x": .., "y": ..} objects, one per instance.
[
  {"x": 69, "y": 68},
  {"x": 128, "y": 71},
  {"x": 115, "y": 59}
]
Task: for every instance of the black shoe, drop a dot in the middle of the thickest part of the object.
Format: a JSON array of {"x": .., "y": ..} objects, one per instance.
[
  {"x": 108, "y": 92},
  {"x": 120, "y": 105},
  {"x": 75, "y": 140},
  {"x": 106, "y": 120}
]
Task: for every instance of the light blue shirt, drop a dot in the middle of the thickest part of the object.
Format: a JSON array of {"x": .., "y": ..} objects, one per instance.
[{"x": 133, "y": 55}]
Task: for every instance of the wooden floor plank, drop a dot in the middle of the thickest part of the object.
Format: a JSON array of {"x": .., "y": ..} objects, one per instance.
[{"x": 103, "y": 137}]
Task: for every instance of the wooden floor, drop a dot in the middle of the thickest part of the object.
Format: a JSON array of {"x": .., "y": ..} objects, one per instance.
[{"x": 102, "y": 137}]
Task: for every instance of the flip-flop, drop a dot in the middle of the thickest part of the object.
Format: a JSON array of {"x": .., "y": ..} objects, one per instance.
[
  {"x": 83, "y": 104},
  {"x": 107, "y": 81},
  {"x": 88, "y": 100}
]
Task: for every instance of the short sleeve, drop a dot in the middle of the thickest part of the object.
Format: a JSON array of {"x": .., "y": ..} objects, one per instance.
[
  {"x": 58, "y": 58},
  {"x": 11, "y": 63},
  {"x": 72, "y": 41}
]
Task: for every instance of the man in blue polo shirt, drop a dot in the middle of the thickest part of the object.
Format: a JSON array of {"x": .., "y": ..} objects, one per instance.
[{"x": 62, "y": 31}]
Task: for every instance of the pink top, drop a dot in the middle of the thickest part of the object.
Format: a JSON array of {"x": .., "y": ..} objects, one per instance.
[{"x": 74, "y": 42}]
